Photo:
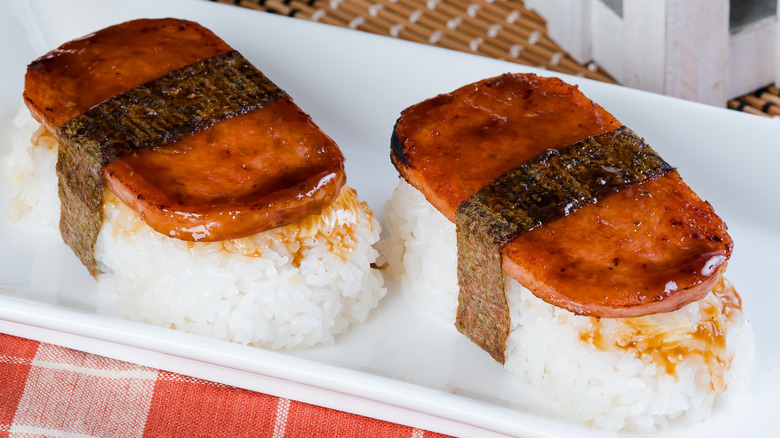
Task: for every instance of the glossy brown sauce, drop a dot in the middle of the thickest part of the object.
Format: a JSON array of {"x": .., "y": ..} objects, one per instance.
[
  {"x": 247, "y": 174},
  {"x": 650, "y": 248},
  {"x": 670, "y": 342},
  {"x": 337, "y": 227},
  {"x": 256, "y": 171},
  {"x": 83, "y": 73},
  {"x": 637, "y": 247},
  {"x": 471, "y": 136}
]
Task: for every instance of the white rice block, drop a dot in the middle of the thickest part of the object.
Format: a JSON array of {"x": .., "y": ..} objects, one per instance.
[
  {"x": 630, "y": 374},
  {"x": 291, "y": 287}
]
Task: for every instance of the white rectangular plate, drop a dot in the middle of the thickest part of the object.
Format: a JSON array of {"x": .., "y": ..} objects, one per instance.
[{"x": 400, "y": 365}]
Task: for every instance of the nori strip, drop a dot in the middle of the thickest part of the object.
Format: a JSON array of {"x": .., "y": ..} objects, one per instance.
[
  {"x": 548, "y": 187},
  {"x": 153, "y": 114}
]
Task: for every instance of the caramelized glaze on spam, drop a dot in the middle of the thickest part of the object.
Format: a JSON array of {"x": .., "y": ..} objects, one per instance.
[
  {"x": 637, "y": 248},
  {"x": 256, "y": 171},
  {"x": 461, "y": 141},
  {"x": 651, "y": 248},
  {"x": 83, "y": 73},
  {"x": 247, "y": 174}
]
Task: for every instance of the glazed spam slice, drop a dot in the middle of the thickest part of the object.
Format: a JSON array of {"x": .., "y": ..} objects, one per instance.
[
  {"x": 189, "y": 174},
  {"x": 647, "y": 248}
]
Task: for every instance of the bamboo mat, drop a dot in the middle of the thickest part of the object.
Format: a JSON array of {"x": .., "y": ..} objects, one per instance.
[
  {"x": 501, "y": 29},
  {"x": 763, "y": 102}
]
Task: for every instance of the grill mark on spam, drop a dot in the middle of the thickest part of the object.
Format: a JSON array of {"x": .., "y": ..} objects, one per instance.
[
  {"x": 150, "y": 115},
  {"x": 548, "y": 187}
]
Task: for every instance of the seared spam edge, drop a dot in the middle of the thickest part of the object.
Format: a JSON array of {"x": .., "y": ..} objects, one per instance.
[{"x": 650, "y": 248}]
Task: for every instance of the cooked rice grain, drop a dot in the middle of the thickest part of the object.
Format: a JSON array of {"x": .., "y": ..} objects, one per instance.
[
  {"x": 617, "y": 374},
  {"x": 291, "y": 287}
]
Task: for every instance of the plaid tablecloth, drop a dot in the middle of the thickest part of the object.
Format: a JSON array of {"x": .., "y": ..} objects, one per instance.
[{"x": 48, "y": 390}]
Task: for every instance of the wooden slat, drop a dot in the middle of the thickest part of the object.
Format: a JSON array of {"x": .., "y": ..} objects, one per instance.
[
  {"x": 763, "y": 102},
  {"x": 500, "y": 29}
]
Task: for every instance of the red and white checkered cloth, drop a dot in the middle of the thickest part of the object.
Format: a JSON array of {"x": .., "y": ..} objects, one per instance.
[{"x": 47, "y": 390}]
